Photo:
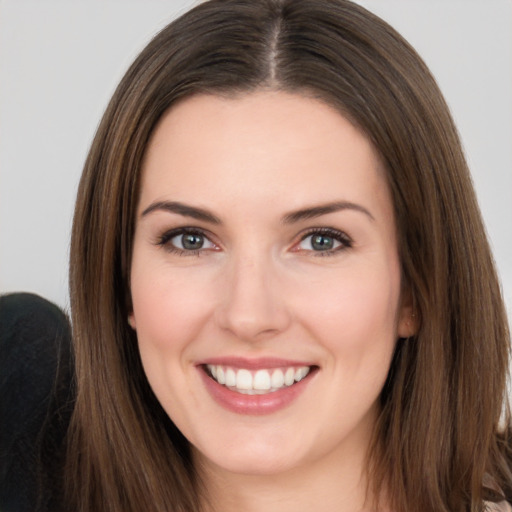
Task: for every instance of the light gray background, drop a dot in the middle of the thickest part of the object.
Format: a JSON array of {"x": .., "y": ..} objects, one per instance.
[{"x": 61, "y": 60}]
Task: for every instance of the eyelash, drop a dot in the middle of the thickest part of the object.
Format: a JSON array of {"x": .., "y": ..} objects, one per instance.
[
  {"x": 339, "y": 236},
  {"x": 164, "y": 241}
]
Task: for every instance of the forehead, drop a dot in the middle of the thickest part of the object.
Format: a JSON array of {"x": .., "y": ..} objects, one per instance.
[{"x": 263, "y": 146}]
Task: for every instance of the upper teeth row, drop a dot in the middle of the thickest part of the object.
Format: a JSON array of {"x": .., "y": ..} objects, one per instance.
[{"x": 243, "y": 380}]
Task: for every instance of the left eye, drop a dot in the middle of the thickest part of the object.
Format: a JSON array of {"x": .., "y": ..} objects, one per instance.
[{"x": 324, "y": 242}]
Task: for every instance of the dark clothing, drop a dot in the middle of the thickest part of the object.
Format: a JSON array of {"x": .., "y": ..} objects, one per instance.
[{"x": 35, "y": 401}]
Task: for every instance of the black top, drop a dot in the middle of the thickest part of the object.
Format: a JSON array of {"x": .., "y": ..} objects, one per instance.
[{"x": 35, "y": 401}]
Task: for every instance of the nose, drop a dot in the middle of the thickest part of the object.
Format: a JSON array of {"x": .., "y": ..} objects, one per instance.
[{"x": 253, "y": 302}]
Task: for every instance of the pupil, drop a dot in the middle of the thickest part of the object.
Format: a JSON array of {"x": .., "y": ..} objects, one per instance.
[
  {"x": 322, "y": 243},
  {"x": 191, "y": 241}
]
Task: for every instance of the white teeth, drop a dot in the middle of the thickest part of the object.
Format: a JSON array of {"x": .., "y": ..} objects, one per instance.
[
  {"x": 289, "y": 376},
  {"x": 277, "y": 379},
  {"x": 244, "y": 380},
  {"x": 230, "y": 377},
  {"x": 259, "y": 382},
  {"x": 301, "y": 373}
]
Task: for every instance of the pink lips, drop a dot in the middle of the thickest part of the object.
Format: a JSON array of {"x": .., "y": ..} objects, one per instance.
[{"x": 258, "y": 404}]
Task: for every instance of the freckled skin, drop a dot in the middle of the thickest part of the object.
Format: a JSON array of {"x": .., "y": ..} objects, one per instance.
[{"x": 258, "y": 288}]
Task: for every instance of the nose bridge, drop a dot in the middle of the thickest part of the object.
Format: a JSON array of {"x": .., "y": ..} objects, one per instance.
[{"x": 252, "y": 303}]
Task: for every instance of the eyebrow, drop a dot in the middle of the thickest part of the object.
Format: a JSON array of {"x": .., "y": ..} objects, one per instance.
[
  {"x": 290, "y": 218},
  {"x": 324, "y": 209},
  {"x": 182, "y": 209}
]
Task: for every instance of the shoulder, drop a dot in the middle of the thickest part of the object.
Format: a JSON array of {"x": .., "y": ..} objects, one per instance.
[
  {"x": 35, "y": 370},
  {"x": 30, "y": 327},
  {"x": 35, "y": 341}
]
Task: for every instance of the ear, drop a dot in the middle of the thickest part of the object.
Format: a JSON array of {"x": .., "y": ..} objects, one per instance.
[
  {"x": 131, "y": 320},
  {"x": 408, "y": 321}
]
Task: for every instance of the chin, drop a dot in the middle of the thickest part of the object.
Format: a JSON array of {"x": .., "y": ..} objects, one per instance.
[{"x": 248, "y": 460}]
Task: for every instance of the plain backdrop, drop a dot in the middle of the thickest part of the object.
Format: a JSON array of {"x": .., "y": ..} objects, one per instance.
[{"x": 60, "y": 61}]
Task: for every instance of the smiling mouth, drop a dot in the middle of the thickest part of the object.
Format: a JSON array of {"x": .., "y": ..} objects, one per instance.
[{"x": 257, "y": 382}]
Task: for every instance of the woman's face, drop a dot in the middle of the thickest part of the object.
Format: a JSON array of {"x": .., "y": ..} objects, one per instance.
[{"x": 266, "y": 281}]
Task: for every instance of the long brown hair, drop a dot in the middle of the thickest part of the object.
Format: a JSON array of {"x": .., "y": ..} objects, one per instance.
[{"x": 436, "y": 440}]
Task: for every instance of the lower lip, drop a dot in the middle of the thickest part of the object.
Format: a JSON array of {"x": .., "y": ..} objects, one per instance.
[{"x": 253, "y": 404}]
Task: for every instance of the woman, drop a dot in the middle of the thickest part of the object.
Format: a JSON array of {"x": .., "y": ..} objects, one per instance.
[{"x": 281, "y": 287}]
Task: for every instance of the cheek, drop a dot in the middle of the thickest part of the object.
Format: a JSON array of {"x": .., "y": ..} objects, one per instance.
[
  {"x": 356, "y": 310},
  {"x": 169, "y": 308},
  {"x": 169, "y": 311},
  {"x": 355, "y": 321}
]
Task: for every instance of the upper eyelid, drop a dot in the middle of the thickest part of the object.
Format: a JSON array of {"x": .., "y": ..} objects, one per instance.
[
  {"x": 186, "y": 229},
  {"x": 326, "y": 231}
]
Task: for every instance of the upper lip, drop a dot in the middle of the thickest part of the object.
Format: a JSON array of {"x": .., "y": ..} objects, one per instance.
[{"x": 254, "y": 363}]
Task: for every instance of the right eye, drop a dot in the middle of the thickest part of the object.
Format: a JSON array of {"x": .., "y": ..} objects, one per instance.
[{"x": 186, "y": 241}]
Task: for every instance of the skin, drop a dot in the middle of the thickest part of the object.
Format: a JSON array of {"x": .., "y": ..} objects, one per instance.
[{"x": 260, "y": 288}]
